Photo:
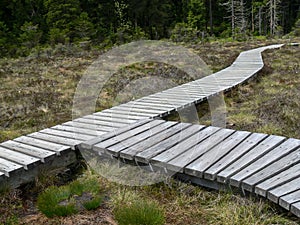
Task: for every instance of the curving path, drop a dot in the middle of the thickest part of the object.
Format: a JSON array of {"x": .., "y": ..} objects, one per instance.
[{"x": 245, "y": 159}]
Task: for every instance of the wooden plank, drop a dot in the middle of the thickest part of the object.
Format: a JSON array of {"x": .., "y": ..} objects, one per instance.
[
  {"x": 146, "y": 105},
  {"x": 202, "y": 134},
  {"x": 58, "y": 148},
  {"x": 90, "y": 126},
  {"x": 147, "y": 155},
  {"x": 7, "y": 168},
  {"x": 295, "y": 209},
  {"x": 192, "y": 154},
  {"x": 127, "y": 112},
  {"x": 244, "y": 147},
  {"x": 111, "y": 119},
  {"x": 283, "y": 149},
  {"x": 99, "y": 122},
  {"x": 160, "y": 101},
  {"x": 185, "y": 93},
  {"x": 78, "y": 130},
  {"x": 90, "y": 143},
  {"x": 150, "y": 104},
  {"x": 258, "y": 151},
  {"x": 112, "y": 116},
  {"x": 25, "y": 160},
  {"x": 272, "y": 170},
  {"x": 153, "y": 140},
  {"x": 102, "y": 146},
  {"x": 66, "y": 134},
  {"x": 209, "y": 158},
  {"x": 287, "y": 200},
  {"x": 280, "y": 179},
  {"x": 176, "y": 97},
  {"x": 40, "y": 153},
  {"x": 138, "y": 142},
  {"x": 284, "y": 189},
  {"x": 139, "y": 110},
  {"x": 56, "y": 139},
  {"x": 180, "y": 102}
]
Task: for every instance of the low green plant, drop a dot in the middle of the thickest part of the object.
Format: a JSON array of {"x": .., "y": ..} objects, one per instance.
[
  {"x": 139, "y": 212},
  {"x": 69, "y": 199}
]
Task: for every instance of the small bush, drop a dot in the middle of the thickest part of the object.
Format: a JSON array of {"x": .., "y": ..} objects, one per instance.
[
  {"x": 139, "y": 212},
  {"x": 69, "y": 199}
]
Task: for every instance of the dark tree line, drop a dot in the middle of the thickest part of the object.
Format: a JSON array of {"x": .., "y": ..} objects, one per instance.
[{"x": 29, "y": 23}]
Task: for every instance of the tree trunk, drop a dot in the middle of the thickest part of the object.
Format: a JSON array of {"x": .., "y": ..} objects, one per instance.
[{"x": 211, "y": 18}]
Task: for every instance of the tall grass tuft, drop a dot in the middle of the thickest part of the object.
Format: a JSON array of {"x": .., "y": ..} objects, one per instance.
[
  {"x": 69, "y": 199},
  {"x": 139, "y": 212}
]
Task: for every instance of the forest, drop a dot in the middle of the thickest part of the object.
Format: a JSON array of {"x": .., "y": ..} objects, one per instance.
[{"x": 26, "y": 24}]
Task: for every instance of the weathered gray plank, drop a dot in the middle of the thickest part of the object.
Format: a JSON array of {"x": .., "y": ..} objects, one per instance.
[
  {"x": 40, "y": 153},
  {"x": 136, "y": 143},
  {"x": 111, "y": 119},
  {"x": 284, "y": 189},
  {"x": 90, "y": 120},
  {"x": 153, "y": 140},
  {"x": 151, "y": 106},
  {"x": 78, "y": 130},
  {"x": 66, "y": 134},
  {"x": 112, "y": 116},
  {"x": 132, "y": 108},
  {"x": 209, "y": 158},
  {"x": 58, "y": 148},
  {"x": 168, "y": 100},
  {"x": 176, "y": 97},
  {"x": 272, "y": 170},
  {"x": 25, "y": 160},
  {"x": 181, "y": 161},
  {"x": 287, "y": 200},
  {"x": 253, "y": 140},
  {"x": 184, "y": 94},
  {"x": 128, "y": 112},
  {"x": 115, "y": 139},
  {"x": 90, "y": 126},
  {"x": 295, "y": 209},
  {"x": 185, "y": 145},
  {"x": 147, "y": 155},
  {"x": 160, "y": 101},
  {"x": 90, "y": 143},
  {"x": 56, "y": 139},
  {"x": 262, "y": 148},
  {"x": 154, "y": 104},
  {"x": 280, "y": 179},
  {"x": 8, "y": 167},
  {"x": 275, "y": 154}
]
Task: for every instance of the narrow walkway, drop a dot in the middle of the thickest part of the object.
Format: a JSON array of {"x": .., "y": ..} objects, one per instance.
[
  {"x": 267, "y": 165},
  {"x": 23, "y": 158}
]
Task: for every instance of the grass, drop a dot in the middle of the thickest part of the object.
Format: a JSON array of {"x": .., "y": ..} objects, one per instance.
[
  {"x": 37, "y": 92},
  {"x": 271, "y": 103},
  {"x": 69, "y": 199},
  {"x": 139, "y": 212}
]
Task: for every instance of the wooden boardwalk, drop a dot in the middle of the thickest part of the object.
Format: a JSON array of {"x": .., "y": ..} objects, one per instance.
[
  {"x": 266, "y": 165},
  {"x": 244, "y": 160}
]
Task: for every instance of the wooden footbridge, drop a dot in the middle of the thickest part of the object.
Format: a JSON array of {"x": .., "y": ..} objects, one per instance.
[{"x": 266, "y": 165}]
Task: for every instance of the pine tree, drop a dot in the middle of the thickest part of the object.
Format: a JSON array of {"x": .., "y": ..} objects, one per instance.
[{"x": 60, "y": 19}]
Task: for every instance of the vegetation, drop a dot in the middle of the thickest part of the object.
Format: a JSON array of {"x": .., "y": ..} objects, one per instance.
[
  {"x": 69, "y": 199},
  {"x": 139, "y": 212},
  {"x": 27, "y": 24},
  {"x": 45, "y": 47}
]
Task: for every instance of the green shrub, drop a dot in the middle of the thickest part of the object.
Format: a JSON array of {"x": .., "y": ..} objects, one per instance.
[
  {"x": 139, "y": 212},
  {"x": 69, "y": 199}
]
